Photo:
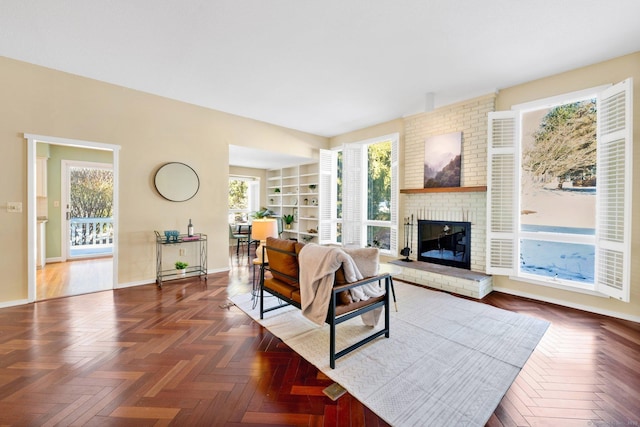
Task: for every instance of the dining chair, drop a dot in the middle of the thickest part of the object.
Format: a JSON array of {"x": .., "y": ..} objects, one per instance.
[
  {"x": 243, "y": 236},
  {"x": 238, "y": 237}
]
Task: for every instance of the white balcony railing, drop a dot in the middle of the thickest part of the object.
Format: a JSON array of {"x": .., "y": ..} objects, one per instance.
[{"x": 91, "y": 235}]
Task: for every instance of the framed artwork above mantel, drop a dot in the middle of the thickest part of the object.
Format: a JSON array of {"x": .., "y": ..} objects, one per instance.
[{"x": 443, "y": 160}]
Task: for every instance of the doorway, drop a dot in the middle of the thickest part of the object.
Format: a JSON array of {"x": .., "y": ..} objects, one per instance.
[{"x": 101, "y": 270}]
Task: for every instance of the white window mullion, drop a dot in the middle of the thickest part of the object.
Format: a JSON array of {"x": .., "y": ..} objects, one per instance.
[
  {"x": 502, "y": 193},
  {"x": 613, "y": 197}
]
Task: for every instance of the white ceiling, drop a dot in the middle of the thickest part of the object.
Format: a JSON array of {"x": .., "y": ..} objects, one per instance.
[
  {"x": 324, "y": 67},
  {"x": 262, "y": 159}
]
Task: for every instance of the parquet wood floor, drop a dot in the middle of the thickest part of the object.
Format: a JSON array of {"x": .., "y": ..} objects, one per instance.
[
  {"x": 145, "y": 356},
  {"x": 82, "y": 276}
]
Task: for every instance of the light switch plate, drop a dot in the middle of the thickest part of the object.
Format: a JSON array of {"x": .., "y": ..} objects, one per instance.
[{"x": 14, "y": 207}]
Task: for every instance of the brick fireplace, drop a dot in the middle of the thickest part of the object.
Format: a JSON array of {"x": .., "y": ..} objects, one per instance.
[{"x": 466, "y": 204}]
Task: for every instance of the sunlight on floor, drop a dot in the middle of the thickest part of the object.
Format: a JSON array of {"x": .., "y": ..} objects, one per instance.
[{"x": 61, "y": 279}]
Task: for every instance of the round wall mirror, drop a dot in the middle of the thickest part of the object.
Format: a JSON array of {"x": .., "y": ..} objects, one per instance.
[{"x": 177, "y": 182}]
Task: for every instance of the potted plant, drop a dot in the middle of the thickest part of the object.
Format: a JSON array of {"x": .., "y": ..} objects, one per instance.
[
  {"x": 288, "y": 219},
  {"x": 181, "y": 267},
  {"x": 263, "y": 213}
]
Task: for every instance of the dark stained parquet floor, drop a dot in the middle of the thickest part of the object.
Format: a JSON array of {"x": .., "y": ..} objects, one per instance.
[{"x": 145, "y": 356}]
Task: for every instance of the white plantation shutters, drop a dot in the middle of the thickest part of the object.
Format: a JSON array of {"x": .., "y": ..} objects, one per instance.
[
  {"x": 393, "y": 241},
  {"x": 502, "y": 192},
  {"x": 327, "y": 232},
  {"x": 613, "y": 197},
  {"x": 353, "y": 161}
]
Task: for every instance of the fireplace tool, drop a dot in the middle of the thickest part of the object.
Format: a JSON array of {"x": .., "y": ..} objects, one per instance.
[{"x": 408, "y": 234}]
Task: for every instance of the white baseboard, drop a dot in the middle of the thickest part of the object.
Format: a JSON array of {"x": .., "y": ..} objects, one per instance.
[
  {"x": 589, "y": 308},
  {"x": 137, "y": 283},
  {"x": 153, "y": 280},
  {"x": 13, "y": 303}
]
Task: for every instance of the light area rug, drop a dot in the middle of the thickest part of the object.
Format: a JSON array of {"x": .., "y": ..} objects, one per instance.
[{"x": 448, "y": 361}]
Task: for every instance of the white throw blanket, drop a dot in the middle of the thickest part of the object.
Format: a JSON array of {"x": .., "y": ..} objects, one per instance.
[
  {"x": 366, "y": 259},
  {"x": 318, "y": 265}
]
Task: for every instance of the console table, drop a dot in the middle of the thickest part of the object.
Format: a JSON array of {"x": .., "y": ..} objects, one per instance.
[{"x": 198, "y": 240}]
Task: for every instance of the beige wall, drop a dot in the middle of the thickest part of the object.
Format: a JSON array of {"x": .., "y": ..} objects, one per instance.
[
  {"x": 386, "y": 128},
  {"x": 151, "y": 131}
]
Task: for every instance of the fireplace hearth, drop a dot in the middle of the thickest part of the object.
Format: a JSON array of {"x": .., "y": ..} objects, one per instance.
[{"x": 445, "y": 243}]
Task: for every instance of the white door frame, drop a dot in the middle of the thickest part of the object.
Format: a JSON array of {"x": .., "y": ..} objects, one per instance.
[
  {"x": 65, "y": 198},
  {"x": 32, "y": 140}
]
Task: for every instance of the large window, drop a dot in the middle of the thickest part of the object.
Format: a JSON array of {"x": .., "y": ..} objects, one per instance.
[
  {"x": 378, "y": 172},
  {"x": 244, "y": 198},
  {"x": 559, "y": 191},
  {"x": 362, "y": 191}
]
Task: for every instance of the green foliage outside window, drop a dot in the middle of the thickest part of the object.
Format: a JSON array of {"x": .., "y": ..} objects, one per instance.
[
  {"x": 91, "y": 193},
  {"x": 238, "y": 198},
  {"x": 565, "y": 145},
  {"x": 379, "y": 181}
]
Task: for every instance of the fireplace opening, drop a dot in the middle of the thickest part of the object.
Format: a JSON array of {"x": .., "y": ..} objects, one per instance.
[{"x": 445, "y": 243}]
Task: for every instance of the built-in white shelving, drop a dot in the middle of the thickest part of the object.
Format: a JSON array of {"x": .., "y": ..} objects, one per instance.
[{"x": 294, "y": 191}]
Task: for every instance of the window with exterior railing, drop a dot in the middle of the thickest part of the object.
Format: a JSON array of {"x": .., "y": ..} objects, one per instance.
[{"x": 90, "y": 210}]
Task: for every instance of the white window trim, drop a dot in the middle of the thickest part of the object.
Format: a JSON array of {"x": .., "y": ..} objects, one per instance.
[
  {"x": 559, "y": 284},
  {"x": 567, "y": 98}
]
